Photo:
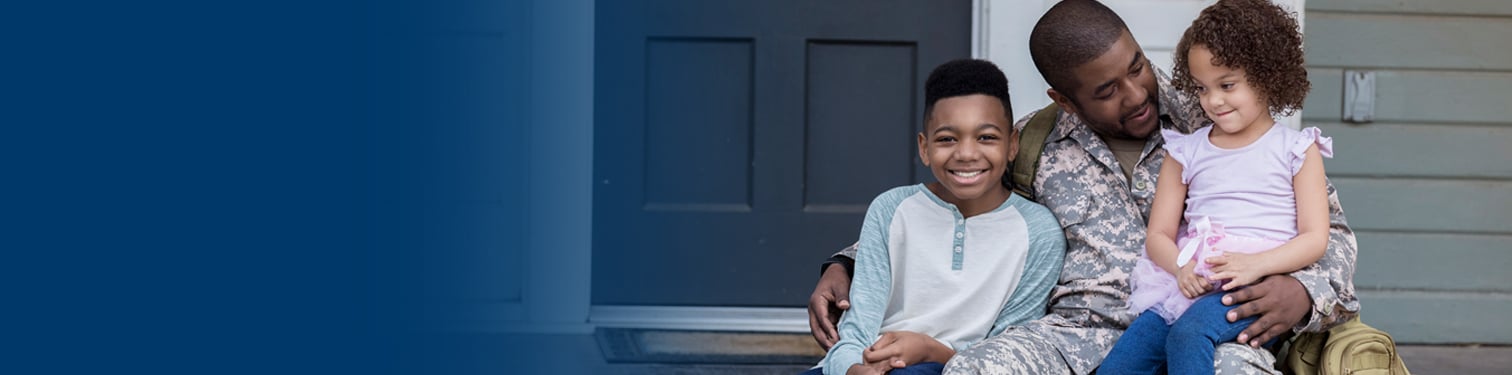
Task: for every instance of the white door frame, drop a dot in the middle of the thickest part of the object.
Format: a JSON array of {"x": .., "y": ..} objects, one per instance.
[{"x": 557, "y": 255}]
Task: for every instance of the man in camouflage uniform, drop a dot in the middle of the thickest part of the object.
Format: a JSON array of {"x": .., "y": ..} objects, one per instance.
[{"x": 1103, "y": 205}]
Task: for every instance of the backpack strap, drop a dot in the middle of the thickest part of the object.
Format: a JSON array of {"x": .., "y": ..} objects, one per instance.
[{"x": 1031, "y": 143}]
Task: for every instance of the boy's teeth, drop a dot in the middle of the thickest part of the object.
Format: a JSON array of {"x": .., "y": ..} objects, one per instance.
[{"x": 967, "y": 174}]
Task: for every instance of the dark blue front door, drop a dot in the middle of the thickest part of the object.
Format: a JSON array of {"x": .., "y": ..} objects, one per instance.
[{"x": 737, "y": 144}]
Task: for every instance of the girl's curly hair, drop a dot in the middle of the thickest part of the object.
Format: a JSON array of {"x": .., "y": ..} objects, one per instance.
[{"x": 1255, "y": 36}]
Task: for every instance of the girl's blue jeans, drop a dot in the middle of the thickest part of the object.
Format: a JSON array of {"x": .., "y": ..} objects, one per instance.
[{"x": 1150, "y": 346}]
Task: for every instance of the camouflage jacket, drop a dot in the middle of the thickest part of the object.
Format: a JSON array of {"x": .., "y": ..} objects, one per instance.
[{"x": 1104, "y": 217}]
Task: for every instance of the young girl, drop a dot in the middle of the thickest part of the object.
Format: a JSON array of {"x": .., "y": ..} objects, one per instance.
[{"x": 1253, "y": 193}]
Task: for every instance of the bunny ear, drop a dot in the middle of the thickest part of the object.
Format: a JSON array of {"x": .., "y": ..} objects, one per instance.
[
  {"x": 1203, "y": 227},
  {"x": 1187, "y": 252}
]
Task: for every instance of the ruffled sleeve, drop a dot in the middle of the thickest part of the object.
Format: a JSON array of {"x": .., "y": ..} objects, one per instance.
[
  {"x": 1179, "y": 147},
  {"x": 1306, "y": 138}
]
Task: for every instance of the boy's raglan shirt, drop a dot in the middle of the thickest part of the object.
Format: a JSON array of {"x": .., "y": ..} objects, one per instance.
[{"x": 923, "y": 267}]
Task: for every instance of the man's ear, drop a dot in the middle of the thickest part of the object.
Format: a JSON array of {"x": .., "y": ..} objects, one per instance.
[
  {"x": 1063, "y": 101},
  {"x": 922, "y": 157}
]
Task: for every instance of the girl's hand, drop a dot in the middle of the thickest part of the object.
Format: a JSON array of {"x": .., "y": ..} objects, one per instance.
[
  {"x": 901, "y": 349},
  {"x": 1191, "y": 284},
  {"x": 1238, "y": 268}
]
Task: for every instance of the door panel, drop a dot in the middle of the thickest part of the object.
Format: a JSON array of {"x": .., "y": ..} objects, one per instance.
[
  {"x": 859, "y": 98},
  {"x": 737, "y": 144},
  {"x": 715, "y": 125}
]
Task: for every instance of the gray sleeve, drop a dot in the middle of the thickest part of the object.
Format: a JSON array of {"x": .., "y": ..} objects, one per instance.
[
  {"x": 869, "y": 294},
  {"x": 1047, "y": 255}
]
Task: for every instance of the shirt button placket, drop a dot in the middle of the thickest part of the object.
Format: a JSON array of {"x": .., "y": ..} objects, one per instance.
[{"x": 960, "y": 241}]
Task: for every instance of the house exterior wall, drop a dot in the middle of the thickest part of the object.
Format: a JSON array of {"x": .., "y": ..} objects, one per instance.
[{"x": 1426, "y": 184}]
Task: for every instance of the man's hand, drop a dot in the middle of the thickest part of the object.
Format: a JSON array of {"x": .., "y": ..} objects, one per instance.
[
  {"x": 1279, "y": 300},
  {"x": 831, "y": 297},
  {"x": 901, "y": 349}
]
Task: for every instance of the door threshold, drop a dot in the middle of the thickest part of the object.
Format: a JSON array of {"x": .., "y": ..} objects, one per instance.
[{"x": 702, "y": 318}]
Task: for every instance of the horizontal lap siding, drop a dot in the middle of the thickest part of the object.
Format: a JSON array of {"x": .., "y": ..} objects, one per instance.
[
  {"x": 1426, "y": 205},
  {"x": 1438, "y": 317},
  {"x": 1419, "y": 150},
  {"x": 1417, "y": 96},
  {"x": 1490, "y": 8},
  {"x": 1433, "y": 261},
  {"x": 1409, "y": 41},
  {"x": 1427, "y": 185}
]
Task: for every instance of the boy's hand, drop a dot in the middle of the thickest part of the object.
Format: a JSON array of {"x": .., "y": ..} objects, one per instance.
[
  {"x": 1238, "y": 268},
  {"x": 901, "y": 349},
  {"x": 1191, "y": 284},
  {"x": 831, "y": 297},
  {"x": 870, "y": 368},
  {"x": 878, "y": 368}
]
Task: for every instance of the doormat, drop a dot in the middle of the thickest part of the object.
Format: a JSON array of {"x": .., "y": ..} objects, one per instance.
[{"x": 631, "y": 345}]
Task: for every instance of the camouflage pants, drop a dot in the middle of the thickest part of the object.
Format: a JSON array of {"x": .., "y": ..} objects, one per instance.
[
  {"x": 1023, "y": 351},
  {"x": 1015, "y": 351},
  {"x": 1240, "y": 359}
]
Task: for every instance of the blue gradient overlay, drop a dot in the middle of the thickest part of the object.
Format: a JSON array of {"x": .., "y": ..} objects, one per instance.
[{"x": 274, "y": 187}]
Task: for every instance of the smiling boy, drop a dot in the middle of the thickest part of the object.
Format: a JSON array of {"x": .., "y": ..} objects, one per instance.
[{"x": 944, "y": 265}]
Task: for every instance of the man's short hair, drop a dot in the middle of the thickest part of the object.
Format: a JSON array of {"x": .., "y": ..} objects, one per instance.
[
  {"x": 1072, "y": 33},
  {"x": 966, "y": 77}
]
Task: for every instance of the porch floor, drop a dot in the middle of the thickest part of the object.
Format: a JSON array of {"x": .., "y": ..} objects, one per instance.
[{"x": 580, "y": 354}]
